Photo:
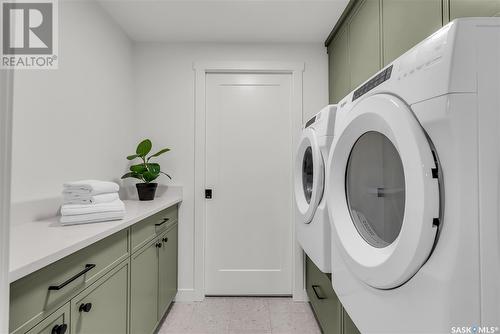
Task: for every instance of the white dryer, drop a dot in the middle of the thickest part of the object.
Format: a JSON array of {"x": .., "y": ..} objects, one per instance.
[
  {"x": 312, "y": 226},
  {"x": 413, "y": 188}
]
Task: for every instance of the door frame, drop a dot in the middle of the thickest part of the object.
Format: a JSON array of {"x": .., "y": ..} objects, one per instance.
[
  {"x": 201, "y": 69},
  {"x": 6, "y": 97}
]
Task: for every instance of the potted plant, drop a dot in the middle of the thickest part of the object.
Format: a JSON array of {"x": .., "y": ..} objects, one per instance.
[{"x": 145, "y": 171}]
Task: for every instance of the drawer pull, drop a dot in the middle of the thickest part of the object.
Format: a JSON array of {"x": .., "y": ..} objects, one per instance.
[
  {"x": 164, "y": 239},
  {"x": 163, "y": 222},
  {"x": 318, "y": 295},
  {"x": 59, "y": 329},
  {"x": 88, "y": 267},
  {"x": 85, "y": 307}
]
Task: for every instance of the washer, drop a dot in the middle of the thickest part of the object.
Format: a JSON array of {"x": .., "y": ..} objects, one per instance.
[
  {"x": 412, "y": 188},
  {"x": 312, "y": 226}
]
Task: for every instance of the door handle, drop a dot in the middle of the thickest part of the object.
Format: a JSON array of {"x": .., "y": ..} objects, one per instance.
[
  {"x": 318, "y": 295},
  {"x": 88, "y": 267}
]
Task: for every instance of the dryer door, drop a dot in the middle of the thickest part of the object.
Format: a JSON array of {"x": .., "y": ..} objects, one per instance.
[
  {"x": 309, "y": 176},
  {"x": 383, "y": 192}
]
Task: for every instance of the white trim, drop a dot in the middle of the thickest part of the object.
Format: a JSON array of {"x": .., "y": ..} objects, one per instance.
[
  {"x": 6, "y": 96},
  {"x": 296, "y": 69}
]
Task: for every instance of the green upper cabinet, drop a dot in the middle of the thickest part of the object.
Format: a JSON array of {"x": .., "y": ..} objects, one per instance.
[
  {"x": 338, "y": 66},
  {"x": 470, "y": 8},
  {"x": 406, "y": 23},
  {"x": 364, "y": 41}
]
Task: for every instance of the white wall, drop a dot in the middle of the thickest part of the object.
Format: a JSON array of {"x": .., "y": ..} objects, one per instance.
[
  {"x": 75, "y": 122},
  {"x": 5, "y": 164},
  {"x": 164, "y": 84}
]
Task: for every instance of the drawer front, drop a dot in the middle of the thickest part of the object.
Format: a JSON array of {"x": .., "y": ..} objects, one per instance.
[
  {"x": 324, "y": 301},
  {"x": 30, "y": 297},
  {"x": 56, "y": 323},
  {"x": 148, "y": 229},
  {"x": 102, "y": 308}
]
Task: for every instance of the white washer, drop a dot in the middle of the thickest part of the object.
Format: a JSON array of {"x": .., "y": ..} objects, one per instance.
[
  {"x": 312, "y": 226},
  {"x": 413, "y": 185}
]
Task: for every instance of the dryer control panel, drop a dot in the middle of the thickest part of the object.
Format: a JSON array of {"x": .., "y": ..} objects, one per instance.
[{"x": 382, "y": 76}]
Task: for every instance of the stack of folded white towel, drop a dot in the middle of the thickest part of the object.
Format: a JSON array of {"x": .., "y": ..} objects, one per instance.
[{"x": 91, "y": 201}]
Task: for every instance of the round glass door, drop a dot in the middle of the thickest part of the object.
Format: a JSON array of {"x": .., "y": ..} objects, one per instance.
[
  {"x": 375, "y": 189},
  {"x": 308, "y": 174}
]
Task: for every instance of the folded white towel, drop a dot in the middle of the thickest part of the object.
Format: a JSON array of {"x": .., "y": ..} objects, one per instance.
[
  {"x": 83, "y": 209},
  {"x": 90, "y": 187},
  {"x": 92, "y": 218},
  {"x": 89, "y": 199}
]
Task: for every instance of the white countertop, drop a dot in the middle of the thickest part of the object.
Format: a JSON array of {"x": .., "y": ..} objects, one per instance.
[{"x": 36, "y": 244}]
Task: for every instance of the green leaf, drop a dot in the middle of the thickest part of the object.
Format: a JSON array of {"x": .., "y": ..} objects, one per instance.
[
  {"x": 160, "y": 152},
  {"x": 132, "y": 157},
  {"x": 154, "y": 167},
  {"x": 139, "y": 169},
  {"x": 150, "y": 176},
  {"x": 144, "y": 148},
  {"x": 133, "y": 175}
]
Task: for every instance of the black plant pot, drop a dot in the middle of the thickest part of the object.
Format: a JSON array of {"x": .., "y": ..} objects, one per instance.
[{"x": 146, "y": 191}]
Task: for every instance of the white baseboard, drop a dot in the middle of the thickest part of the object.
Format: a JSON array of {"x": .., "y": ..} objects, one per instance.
[
  {"x": 300, "y": 296},
  {"x": 189, "y": 295}
]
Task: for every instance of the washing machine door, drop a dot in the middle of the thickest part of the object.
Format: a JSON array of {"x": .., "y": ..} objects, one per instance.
[
  {"x": 309, "y": 176},
  {"x": 383, "y": 192}
]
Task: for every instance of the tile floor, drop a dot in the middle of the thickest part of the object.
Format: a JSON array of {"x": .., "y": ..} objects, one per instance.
[{"x": 241, "y": 315}]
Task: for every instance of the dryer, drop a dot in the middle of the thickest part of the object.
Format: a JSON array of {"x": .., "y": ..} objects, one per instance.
[
  {"x": 312, "y": 226},
  {"x": 413, "y": 187}
]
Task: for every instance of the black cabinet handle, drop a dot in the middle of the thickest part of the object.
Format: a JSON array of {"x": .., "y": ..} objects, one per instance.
[
  {"x": 88, "y": 267},
  {"x": 158, "y": 245},
  {"x": 162, "y": 222},
  {"x": 314, "y": 287},
  {"x": 164, "y": 239},
  {"x": 85, "y": 307},
  {"x": 59, "y": 329}
]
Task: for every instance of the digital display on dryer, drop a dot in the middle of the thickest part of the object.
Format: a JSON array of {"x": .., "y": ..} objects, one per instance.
[{"x": 382, "y": 76}]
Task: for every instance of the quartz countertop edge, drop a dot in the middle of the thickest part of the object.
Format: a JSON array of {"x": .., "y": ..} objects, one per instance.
[{"x": 37, "y": 244}]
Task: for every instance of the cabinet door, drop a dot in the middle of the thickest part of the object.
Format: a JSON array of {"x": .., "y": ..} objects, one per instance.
[
  {"x": 144, "y": 289},
  {"x": 324, "y": 301},
  {"x": 56, "y": 323},
  {"x": 338, "y": 67},
  {"x": 364, "y": 41},
  {"x": 406, "y": 23},
  {"x": 470, "y": 8},
  {"x": 167, "y": 270},
  {"x": 102, "y": 307},
  {"x": 348, "y": 326}
]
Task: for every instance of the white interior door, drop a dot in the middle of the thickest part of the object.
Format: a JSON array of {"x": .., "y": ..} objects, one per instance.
[{"x": 248, "y": 166}]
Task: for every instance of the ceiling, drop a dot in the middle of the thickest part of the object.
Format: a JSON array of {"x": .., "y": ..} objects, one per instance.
[{"x": 229, "y": 21}]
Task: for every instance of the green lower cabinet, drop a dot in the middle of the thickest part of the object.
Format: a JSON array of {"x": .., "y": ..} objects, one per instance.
[
  {"x": 167, "y": 265},
  {"x": 474, "y": 8},
  {"x": 323, "y": 299},
  {"x": 144, "y": 289},
  {"x": 348, "y": 327},
  {"x": 103, "y": 307},
  {"x": 56, "y": 323}
]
